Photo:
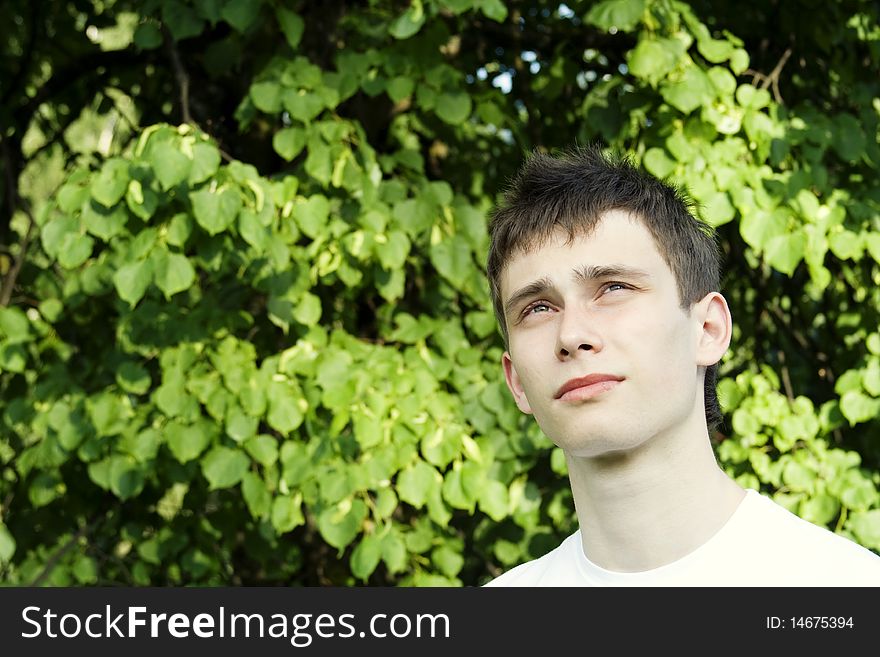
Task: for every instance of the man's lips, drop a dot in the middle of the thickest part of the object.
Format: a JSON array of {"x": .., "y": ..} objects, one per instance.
[{"x": 589, "y": 380}]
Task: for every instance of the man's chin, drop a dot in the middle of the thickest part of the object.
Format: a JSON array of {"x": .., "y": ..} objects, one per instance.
[{"x": 600, "y": 445}]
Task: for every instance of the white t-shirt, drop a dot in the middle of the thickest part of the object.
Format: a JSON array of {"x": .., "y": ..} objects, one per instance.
[{"x": 762, "y": 544}]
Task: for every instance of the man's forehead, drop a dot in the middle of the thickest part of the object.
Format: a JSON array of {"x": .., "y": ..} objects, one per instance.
[{"x": 618, "y": 240}]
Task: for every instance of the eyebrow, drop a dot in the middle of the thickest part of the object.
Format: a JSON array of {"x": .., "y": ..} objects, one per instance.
[
  {"x": 583, "y": 274},
  {"x": 533, "y": 289},
  {"x": 594, "y": 272}
]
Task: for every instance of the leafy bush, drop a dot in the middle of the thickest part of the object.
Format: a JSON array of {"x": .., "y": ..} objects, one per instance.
[{"x": 246, "y": 338}]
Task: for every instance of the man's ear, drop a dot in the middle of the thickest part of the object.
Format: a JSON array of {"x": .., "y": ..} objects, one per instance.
[
  {"x": 714, "y": 328},
  {"x": 514, "y": 384}
]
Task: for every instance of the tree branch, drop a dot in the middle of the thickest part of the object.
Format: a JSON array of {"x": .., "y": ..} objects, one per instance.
[
  {"x": 180, "y": 75},
  {"x": 14, "y": 200},
  {"x": 64, "y": 549},
  {"x": 771, "y": 79}
]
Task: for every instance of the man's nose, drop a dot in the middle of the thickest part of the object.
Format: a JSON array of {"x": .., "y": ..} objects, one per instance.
[{"x": 578, "y": 332}]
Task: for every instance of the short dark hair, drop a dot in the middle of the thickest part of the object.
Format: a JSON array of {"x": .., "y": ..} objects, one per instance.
[{"x": 571, "y": 192}]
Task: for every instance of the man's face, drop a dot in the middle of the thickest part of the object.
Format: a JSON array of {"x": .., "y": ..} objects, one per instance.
[{"x": 601, "y": 351}]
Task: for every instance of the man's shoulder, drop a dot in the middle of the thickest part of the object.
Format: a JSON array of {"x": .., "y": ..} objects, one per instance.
[
  {"x": 788, "y": 545},
  {"x": 556, "y": 568}
]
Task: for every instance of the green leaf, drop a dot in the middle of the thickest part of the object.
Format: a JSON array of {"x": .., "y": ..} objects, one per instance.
[
  {"x": 493, "y": 500},
  {"x": 872, "y": 243},
  {"x": 858, "y": 407},
  {"x": 45, "y": 489},
  {"x": 623, "y": 15},
  {"x": 302, "y": 105},
  {"x": 312, "y": 215},
  {"x": 739, "y": 61},
  {"x": 13, "y": 358},
  {"x": 658, "y": 163},
  {"x": 453, "y": 107},
  {"x": 111, "y": 183},
  {"x": 239, "y": 425},
  {"x": 416, "y": 481},
  {"x": 170, "y": 165},
  {"x": 717, "y": 210},
  {"x": 224, "y": 467},
  {"x": 454, "y": 492},
  {"x": 340, "y": 523},
  {"x": 392, "y": 249},
  {"x": 291, "y": 24},
  {"x": 143, "y": 446},
  {"x": 55, "y": 232},
  {"x": 286, "y": 407},
  {"x": 287, "y": 513},
  {"x": 179, "y": 229},
  {"x": 447, "y": 560},
  {"x": 845, "y": 244},
  {"x": 172, "y": 272},
  {"x": 751, "y": 97},
  {"x": 866, "y": 527},
  {"x": 142, "y": 201},
  {"x": 132, "y": 280},
  {"x": 871, "y": 377},
  {"x": 408, "y": 23},
  {"x": 365, "y": 556},
  {"x": 85, "y": 570},
  {"x": 442, "y": 445},
  {"x": 784, "y": 252},
  {"x": 692, "y": 89},
  {"x": 181, "y": 20},
  {"x": 452, "y": 258},
  {"x": 495, "y": 10},
  {"x": 205, "y": 162},
  {"x": 7, "y": 545},
  {"x": 256, "y": 495},
  {"x": 820, "y": 510},
  {"x": 241, "y": 14},
  {"x": 14, "y": 324},
  {"x": 133, "y": 378},
  {"x": 215, "y": 211},
  {"x": 652, "y": 59},
  {"x": 289, "y": 142},
  {"x": 759, "y": 227},
  {"x": 367, "y": 429},
  {"x": 399, "y": 88},
  {"x": 147, "y": 36},
  {"x": 108, "y": 412},
  {"x": 394, "y": 552},
  {"x": 715, "y": 50},
  {"x": 102, "y": 222},
  {"x": 126, "y": 476},
  {"x": 188, "y": 441},
  {"x": 266, "y": 96},
  {"x": 308, "y": 310},
  {"x": 263, "y": 449},
  {"x": 252, "y": 230},
  {"x": 798, "y": 477},
  {"x": 318, "y": 164},
  {"x": 75, "y": 250},
  {"x": 848, "y": 138}
]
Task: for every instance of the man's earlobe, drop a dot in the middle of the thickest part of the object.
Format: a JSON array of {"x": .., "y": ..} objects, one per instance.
[
  {"x": 513, "y": 383},
  {"x": 716, "y": 327}
]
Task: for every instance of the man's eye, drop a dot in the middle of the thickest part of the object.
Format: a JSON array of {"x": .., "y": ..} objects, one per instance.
[
  {"x": 535, "y": 308},
  {"x": 610, "y": 287}
]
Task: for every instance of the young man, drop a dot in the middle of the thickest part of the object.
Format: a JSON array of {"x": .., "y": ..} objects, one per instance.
[{"x": 606, "y": 290}]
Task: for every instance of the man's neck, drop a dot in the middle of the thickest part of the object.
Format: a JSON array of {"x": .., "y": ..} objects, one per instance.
[{"x": 653, "y": 505}]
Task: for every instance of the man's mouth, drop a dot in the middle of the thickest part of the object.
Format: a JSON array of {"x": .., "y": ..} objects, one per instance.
[{"x": 588, "y": 386}]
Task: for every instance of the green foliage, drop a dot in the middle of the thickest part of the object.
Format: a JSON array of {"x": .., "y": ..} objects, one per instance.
[{"x": 250, "y": 342}]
